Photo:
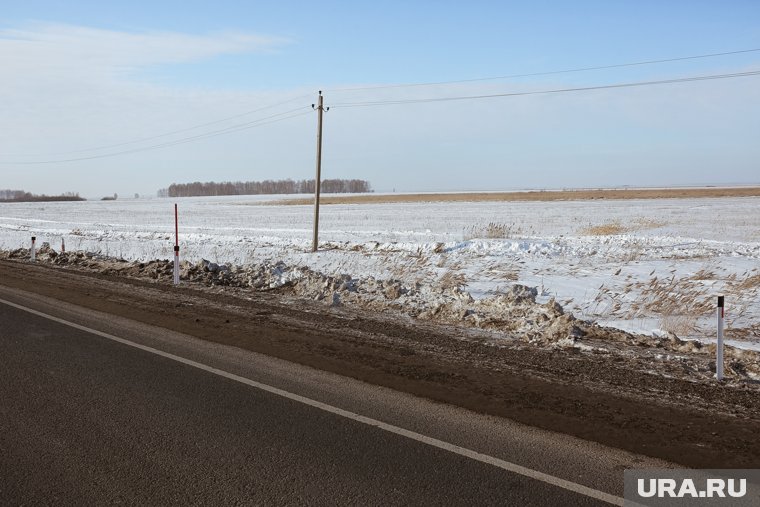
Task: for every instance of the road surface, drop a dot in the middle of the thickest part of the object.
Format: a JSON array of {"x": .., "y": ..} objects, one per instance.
[{"x": 163, "y": 418}]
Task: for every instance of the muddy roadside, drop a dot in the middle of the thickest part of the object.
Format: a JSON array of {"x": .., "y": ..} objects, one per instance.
[{"x": 623, "y": 398}]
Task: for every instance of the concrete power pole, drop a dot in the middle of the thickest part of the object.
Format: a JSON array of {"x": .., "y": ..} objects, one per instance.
[{"x": 317, "y": 182}]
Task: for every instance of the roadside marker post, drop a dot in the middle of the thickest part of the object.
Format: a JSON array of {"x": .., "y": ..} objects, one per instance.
[
  {"x": 33, "y": 253},
  {"x": 63, "y": 245},
  {"x": 176, "y": 246},
  {"x": 719, "y": 347}
]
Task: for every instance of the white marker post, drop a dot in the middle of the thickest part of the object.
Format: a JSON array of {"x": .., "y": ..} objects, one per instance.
[
  {"x": 33, "y": 253},
  {"x": 719, "y": 353},
  {"x": 176, "y": 246}
]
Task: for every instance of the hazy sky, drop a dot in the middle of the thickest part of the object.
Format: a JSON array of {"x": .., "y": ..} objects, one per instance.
[{"x": 87, "y": 79}]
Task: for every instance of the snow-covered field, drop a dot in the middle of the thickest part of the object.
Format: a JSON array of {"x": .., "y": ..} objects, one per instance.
[{"x": 650, "y": 266}]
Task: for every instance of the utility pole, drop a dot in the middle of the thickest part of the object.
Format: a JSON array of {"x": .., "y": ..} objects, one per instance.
[{"x": 317, "y": 182}]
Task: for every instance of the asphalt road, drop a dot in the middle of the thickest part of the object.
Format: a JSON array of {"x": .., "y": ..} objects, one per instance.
[{"x": 85, "y": 420}]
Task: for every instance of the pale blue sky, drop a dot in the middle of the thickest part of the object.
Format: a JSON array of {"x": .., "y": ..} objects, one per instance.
[{"x": 79, "y": 75}]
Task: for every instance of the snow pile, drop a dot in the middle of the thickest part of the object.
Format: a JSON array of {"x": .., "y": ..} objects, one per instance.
[{"x": 514, "y": 313}]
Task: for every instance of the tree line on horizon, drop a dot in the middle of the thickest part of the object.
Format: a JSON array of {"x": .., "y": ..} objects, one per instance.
[
  {"x": 211, "y": 188},
  {"x": 8, "y": 195}
]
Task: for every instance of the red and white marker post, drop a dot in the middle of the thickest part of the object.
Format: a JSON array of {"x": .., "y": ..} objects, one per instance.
[
  {"x": 33, "y": 251},
  {"x": 719, "y": 347},
  {"x": 176, "y": 246}
]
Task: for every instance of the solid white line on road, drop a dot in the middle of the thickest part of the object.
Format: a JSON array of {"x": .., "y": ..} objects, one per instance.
[{"x": 462, "y": 451}]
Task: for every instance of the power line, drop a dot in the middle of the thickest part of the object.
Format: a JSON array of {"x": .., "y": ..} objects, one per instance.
[
  {"x": 541, "y": 92},
  {"x": 287, "y": 115},
  {"x": 228, "y": 130},
  {"x": 187, "y": 129},
  {"x": 548, "y": 73}
]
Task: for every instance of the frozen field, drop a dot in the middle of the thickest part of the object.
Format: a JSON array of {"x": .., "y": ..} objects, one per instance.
[{"x": 651, "y": 266}]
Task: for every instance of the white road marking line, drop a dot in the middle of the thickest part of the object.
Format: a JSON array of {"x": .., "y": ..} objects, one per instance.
[{"x": 462, "y": 451}]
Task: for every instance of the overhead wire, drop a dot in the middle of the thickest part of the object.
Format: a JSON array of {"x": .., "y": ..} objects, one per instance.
[
  {"x": 546, "y": 73},
  {"x": 540, "y": 92},
  {"x": 237, "y": 128},
  {"x": 287, "y": 115},
  {"x": 179, "y": 131}
]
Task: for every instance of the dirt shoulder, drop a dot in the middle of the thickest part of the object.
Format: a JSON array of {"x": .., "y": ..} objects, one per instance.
[
  {"x": 600, "y": 397},
  {"x": 538, "y": 195}
]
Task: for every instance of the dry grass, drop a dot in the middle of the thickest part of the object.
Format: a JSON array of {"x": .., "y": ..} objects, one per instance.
[
  {"x": 548, "y": 195},
  {"x": 648, "y": 223},
  {"x": 679, "y": 325},
  {"x": 491, "y": 230},
  {"x": 512, "y": 275},
  {"x": 703, "y": 274},
  {"x": 632, "y": 254},
  {"x": 751, "y": 282},
  {"x": 502, "y": 271},
  {"x": 616, "y": 227},
  {"x": 605, "y": 229},
  {"x": 671, "y": 297},
  {"x": 452, "y": 279}
]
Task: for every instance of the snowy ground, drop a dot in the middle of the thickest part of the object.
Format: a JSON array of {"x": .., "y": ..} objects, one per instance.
[{"x": 647, "y": 266}]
